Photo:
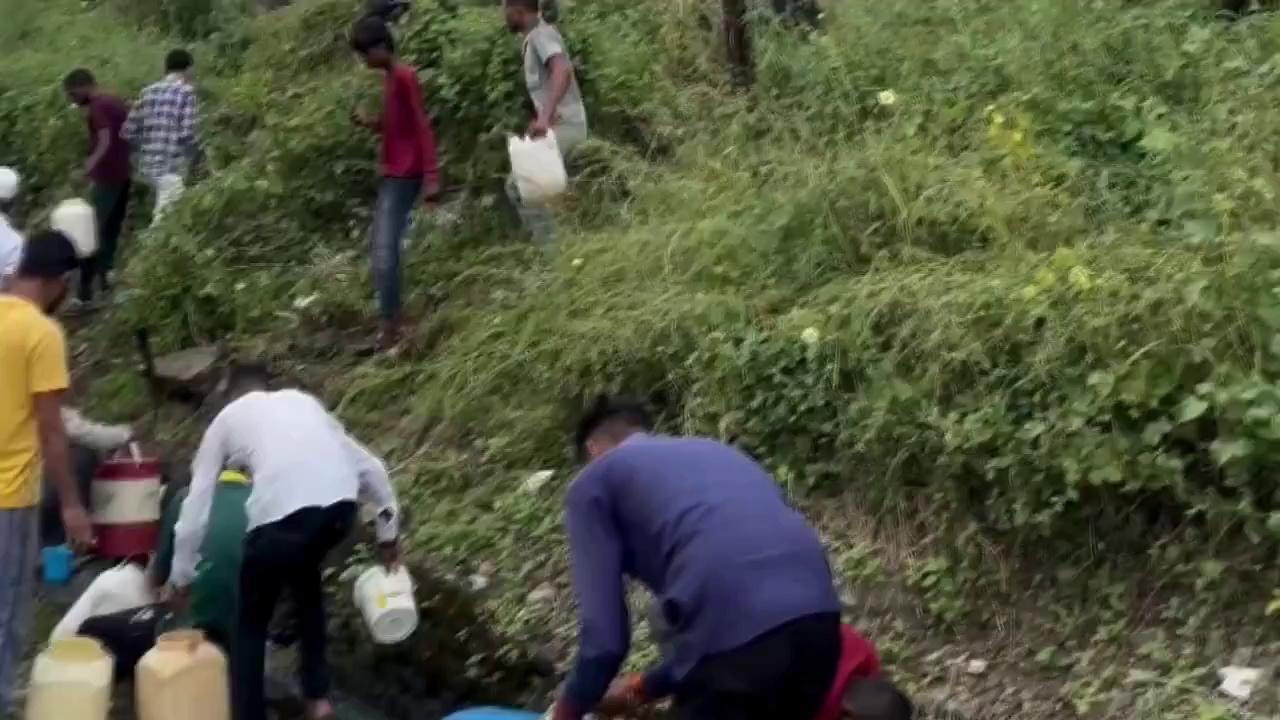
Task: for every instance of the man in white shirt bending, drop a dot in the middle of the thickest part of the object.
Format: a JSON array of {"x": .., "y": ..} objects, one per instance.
[{"x": 307, "y": 474}]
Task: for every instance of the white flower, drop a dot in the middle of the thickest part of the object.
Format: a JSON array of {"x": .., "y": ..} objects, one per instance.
[
  {"x": 810, "y": 336},
  {"x": 887, "y": 97}
]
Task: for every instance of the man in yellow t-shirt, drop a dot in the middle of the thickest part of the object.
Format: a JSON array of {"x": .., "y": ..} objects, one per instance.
[{"x": 33, "y": 376}]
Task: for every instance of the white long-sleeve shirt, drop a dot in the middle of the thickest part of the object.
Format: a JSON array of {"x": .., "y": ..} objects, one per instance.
[
  {"x": 121, "y": 588},
  {"x": 11, "y": 243},
  {"x": 298, "y": 456},
  {"x": 93, "y": 435}
]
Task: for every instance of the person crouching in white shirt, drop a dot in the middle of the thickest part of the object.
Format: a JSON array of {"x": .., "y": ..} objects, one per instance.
[
  {"x": 10, "y": 239},
  {"x": 307, "y": 474},
  {"x": 119, "y": 610}
]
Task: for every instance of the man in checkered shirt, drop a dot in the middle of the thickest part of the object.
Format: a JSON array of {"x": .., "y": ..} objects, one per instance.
[{"x": 162, "y": 130}]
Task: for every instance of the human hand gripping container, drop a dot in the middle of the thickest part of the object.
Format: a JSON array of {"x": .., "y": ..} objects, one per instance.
[{"x": 126, "y": 504}]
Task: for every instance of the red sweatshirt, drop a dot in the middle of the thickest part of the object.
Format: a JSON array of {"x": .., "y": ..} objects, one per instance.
[
  {"x": 858, "y": 659},
  {"x": 408, "y": 144}
]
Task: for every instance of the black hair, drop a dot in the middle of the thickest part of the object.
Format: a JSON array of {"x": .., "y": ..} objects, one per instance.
[
  {"x": 178, "y": 60},
  {"x": 387, "y": 10},
  {"x": 371, "y": 32},
  {"x": 613, "y": 415},
  {"x": 876, "y": 698},
  {"x": 78, "y": 78},
  {"x": 48, "y": 255},
  {"x": 532, "y": 6},
  {"x": 244, "y": 376}
]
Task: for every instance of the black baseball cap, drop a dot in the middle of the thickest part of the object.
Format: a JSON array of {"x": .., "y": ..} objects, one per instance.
[{"x": 48, "y": 255}]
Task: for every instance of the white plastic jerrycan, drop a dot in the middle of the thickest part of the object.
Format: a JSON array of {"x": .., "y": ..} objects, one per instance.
[
  {"x": 71, "y": 680},
  {"x": 538, "y": 168},
  {"x": 75, "y": 219},
  {"x": 387, "y": 603}
]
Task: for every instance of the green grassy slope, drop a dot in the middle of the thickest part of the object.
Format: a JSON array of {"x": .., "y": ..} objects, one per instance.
[{"x": 990, "y": 286}]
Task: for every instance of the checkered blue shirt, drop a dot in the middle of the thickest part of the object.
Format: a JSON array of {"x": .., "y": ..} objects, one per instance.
[{"x": 162, "y": 127}]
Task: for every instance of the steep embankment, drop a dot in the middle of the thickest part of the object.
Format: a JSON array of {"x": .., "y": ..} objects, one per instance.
[{"x": 990, "y": 285}]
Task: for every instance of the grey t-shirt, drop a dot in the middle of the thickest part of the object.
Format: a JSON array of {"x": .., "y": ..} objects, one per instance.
[{"x": 543, "y": 43}]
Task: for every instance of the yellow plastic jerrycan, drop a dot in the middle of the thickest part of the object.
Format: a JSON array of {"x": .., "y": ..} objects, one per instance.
[
  {"x": 71, "y": 680},
  {"x": 183, "y": 676}
]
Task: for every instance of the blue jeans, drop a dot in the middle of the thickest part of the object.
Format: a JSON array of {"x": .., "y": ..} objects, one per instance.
[
  {"x": 18, "y": 548},
  {"x": 396, "y": 200}
]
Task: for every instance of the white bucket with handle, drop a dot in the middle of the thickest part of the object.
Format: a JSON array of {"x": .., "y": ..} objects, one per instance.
[{"x": 387, "y": 603}]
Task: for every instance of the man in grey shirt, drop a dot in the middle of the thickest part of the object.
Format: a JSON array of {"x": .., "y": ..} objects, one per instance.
[{"x": 557, "y": 101}]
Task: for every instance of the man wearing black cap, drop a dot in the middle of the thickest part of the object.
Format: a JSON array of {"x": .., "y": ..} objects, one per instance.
[{"x": 33, "y": 377}]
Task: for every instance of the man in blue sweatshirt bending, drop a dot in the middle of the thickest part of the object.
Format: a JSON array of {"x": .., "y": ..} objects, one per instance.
[{"x": 741, "y": 578}]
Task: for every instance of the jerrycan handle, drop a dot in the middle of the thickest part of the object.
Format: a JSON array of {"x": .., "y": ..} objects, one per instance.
[
  {"x": 189, "y": 640},
  {"x": 132, "y": 451}
]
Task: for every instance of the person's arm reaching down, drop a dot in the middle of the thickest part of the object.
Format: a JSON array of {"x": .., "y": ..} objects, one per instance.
[
  {"x": 47, "y": 383},
  {"x": 131, "y": 131},
  {"x": 595, "y": 551},
  {"x": 57, "y": 464},
  {"x": 561, "y": 75},
  {"x": 422, "y": 126},
  {"x": 375, "y": 487},
  {"x": 188, "y": 121},
  {"x": 193, "y": 519},
  {"x": 101, "y": 143},
  {"x": 92, "y": 435},
  {"x": 162, "y": 561},
  {"x": 549, "y": 48}
]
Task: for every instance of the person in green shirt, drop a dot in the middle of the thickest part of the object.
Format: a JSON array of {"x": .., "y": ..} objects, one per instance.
[{"x": 215, "y": 592}]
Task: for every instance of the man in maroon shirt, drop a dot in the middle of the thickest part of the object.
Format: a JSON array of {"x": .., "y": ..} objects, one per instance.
[
  {"x": 409, "y": 169},
  {"x": 107, "y": 170}
]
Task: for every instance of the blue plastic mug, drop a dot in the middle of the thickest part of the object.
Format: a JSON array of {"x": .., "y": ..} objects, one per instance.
[
  {"x": 493, "y": 713},
  {"x": 57, "y": 562}
]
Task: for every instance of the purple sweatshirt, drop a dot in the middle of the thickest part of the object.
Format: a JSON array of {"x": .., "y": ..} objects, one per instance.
[{"x": 707, "y": 530}]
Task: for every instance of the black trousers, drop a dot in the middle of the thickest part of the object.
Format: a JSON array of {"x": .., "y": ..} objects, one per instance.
[
  {"x": 286, "y": 553},
  {"x": 110, "y": 205},
  {"x": 782, "y": 675}
]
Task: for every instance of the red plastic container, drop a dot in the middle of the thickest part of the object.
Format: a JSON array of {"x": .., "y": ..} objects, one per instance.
[{"x": 126, "y": 506}]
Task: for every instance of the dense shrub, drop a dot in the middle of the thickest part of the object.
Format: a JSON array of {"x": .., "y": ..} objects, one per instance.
[
  {"x": 958, "y": 255},
  {"x": 188, "y": 19}
]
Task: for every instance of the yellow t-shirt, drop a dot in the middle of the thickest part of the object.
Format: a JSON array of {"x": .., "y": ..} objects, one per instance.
[{"x": 33, "y": 359}]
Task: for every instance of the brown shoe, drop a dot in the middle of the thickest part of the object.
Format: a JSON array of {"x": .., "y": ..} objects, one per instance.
[{"x": 389, "y": 338}]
